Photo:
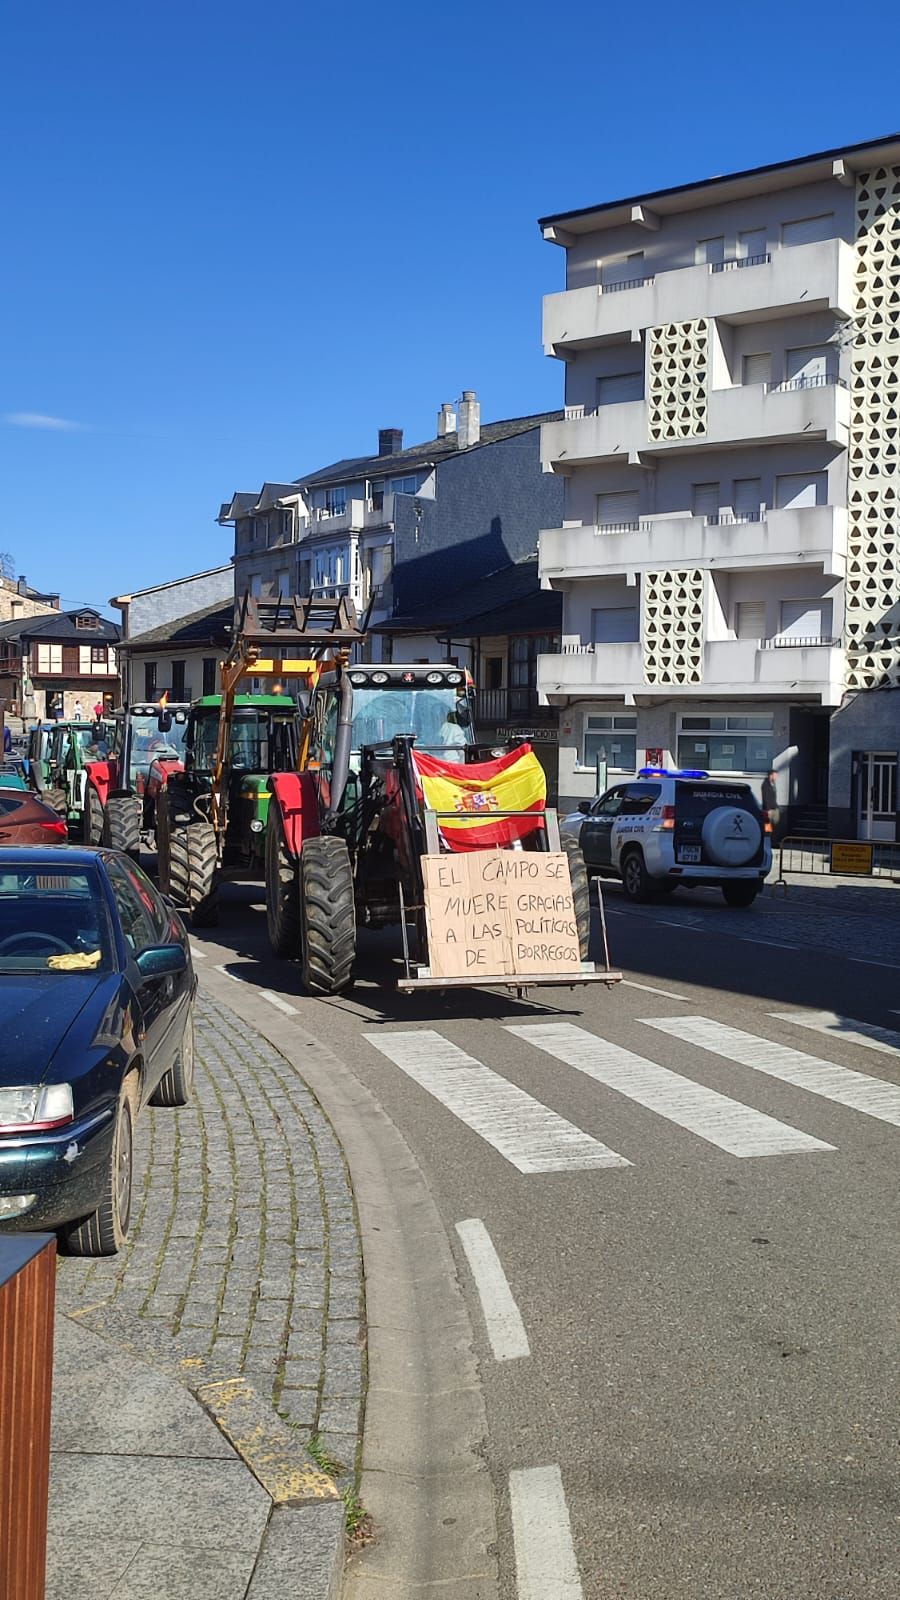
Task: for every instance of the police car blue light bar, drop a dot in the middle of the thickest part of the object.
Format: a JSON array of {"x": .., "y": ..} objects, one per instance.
[{"x": 671, "y": 772}]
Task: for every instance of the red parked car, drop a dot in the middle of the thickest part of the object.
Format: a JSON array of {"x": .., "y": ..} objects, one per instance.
[{"x": 24, "y": 819}]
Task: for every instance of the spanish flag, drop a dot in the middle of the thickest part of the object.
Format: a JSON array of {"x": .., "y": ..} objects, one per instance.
[{"x": 514, "y": 782}]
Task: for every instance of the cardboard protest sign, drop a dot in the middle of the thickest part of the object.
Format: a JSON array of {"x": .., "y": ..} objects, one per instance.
[{"x": 500, "y": 913}]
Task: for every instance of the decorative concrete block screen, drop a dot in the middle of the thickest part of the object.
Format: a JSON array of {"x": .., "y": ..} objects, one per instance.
[
  {"x": 677, "y": 379},
  {"x": 672, "y": 627},
  {"x": 872, "y": 595}
]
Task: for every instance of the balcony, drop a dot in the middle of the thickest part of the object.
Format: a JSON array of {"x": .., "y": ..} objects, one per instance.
[
  {"x": 782, "y": 669},
  {"x": 798, "y": 278},
  {"x": 793, "y": 537},
  {"x": 517, "y": 704},
  {"x": 757, "y": 413}
]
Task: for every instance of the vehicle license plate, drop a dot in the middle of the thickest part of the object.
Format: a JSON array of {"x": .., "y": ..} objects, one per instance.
[{"x": 689, "y": 852}]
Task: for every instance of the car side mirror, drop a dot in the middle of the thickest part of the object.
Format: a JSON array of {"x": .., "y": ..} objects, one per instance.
[
  {"x": 162, "y": 961},
  {"x": 585, "y": 807}
]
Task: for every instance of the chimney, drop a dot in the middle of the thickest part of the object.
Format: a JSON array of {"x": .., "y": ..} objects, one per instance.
[
  {"x": 469, "y": 420},
  {"x": 390, "y": 441},
  {"x": 446, "y": 420}
]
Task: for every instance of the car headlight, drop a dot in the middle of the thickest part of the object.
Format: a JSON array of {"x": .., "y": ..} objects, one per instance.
[{"x": 34, "y": 1108}]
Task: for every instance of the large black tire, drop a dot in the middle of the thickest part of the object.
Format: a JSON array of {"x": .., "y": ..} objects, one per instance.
[
  {"x": 193, "y": 872},
  {"x": 122, "y": 824},
  {"x": 57, "y": 800},
  {"x": 635, "y": 878},
  {"x": 282, "y": 889},
  {"x": 328, "y": 915},
  {"x": 105, "y": 1232},
  {"x": 92, "y": 819},
  {"x": 740, "y": 893},
  {"x": 581, "y": 894},
  {"x": 176, "y": 1086}
]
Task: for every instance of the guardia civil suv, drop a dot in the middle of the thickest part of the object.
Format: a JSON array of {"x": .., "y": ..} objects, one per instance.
[{"x": 669, "y": 829}]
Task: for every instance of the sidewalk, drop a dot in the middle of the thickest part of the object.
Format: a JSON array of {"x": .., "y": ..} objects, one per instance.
[{"x": 192, "y": 1370}]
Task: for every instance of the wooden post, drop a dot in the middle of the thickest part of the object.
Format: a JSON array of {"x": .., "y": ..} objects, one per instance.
[{"x": 27, "y": 1299}]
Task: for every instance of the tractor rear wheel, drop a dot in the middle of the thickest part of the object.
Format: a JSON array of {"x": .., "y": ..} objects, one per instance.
[
  {"x": 328, "y": 915},
  {"x": 93, "y": 816},
  {"x": 282, "y": 888},
  {"x": 122, "y": 824},
  {"x": 581, "y": 894},
  {"x": 193, "y": 871},
  {"x": 57, "y": 800}
]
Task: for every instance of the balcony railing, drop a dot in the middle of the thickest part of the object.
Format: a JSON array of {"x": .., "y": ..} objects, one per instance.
[
  {"x": 619, "y": 527},
  {"x": 808, "y": 380},
  {"x": 785, "y": 641},
  {"x": 735, "y": 262},
  {"x": 725, "y": 519},
  {"x": 500, "y": 705},
  {"x": 626, "y": 283}
]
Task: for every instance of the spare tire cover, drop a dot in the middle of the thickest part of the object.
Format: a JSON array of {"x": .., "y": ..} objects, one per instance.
[{"x": 731, "y": 836}]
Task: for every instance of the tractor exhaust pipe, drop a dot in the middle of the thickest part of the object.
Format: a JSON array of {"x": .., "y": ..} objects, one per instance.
[{"x": 341, "y": 769}]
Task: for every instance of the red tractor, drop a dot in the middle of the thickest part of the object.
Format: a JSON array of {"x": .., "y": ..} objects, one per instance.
[{"x": 145, "y": 746}]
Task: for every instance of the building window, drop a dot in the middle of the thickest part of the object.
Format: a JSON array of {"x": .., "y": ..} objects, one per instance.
[
  {"x": 809, "y": 620},
  {"x": 256, "y": 584},
  {"x": 794, "y": 490},
  {"x": 711, "y": 251},
  {"x": 747, "y": 499},
  {"x": 149, "y": 680},
  {"x": 619, "y": 511},
  {"x": 87, "y": 621},
  {"x": 705, "y": 499},
  {"x": 615, "y": 625},
  {"x": 620, "y": 386},
  {"x": 403, "y": 485},
  {"x": 335, "y": 502},
  {"x": 49, "y": 658},
  {"x": 752, "y": 244},
  {"x": 493, "y": 672},
  {"x": 283, "y": 583},
  {"x": 622, "y": 269},
  {"x": 808, "y": 230},
  {"x": 757, "y": 368},
  {"x": 726, "y": 743},
  {"x": 287, "y": 526},
  {"x": 750, "y": 619},
  {"x": 209, "y": 674},
  {"x": 178, "y": 680},
  {"x": 611, "y": 739},
  {"x": 810, "y": 366},
  {"x": 99, "y": 655}
]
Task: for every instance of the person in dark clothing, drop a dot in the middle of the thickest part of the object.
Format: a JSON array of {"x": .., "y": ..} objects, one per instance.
[{"x": 770, "y": 799}]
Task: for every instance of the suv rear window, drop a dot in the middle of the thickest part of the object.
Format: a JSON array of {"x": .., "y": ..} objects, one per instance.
[{"x": 696, "y": 800}]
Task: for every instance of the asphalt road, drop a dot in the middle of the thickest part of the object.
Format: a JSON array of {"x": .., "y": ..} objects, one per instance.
[{"x": 709, "y": 1300}]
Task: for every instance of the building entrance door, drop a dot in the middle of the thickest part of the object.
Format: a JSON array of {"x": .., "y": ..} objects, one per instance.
[{"x": 877, "y": 794}]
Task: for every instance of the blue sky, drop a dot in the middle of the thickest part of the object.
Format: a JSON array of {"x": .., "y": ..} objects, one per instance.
[{"x": 241, "y": 238}]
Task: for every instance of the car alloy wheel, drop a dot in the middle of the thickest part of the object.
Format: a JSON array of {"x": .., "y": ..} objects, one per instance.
[{"x": 124, "y": 1166}]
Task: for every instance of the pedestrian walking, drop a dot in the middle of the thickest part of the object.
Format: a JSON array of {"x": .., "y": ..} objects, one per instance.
[
  {"x": 770, "y": 799},
  {"x": 98, "y": 710},
  {"x": 79, "y": 714},
  {"x": 57, "y": 708}
]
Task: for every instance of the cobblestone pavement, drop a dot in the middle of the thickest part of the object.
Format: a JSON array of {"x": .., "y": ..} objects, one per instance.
[{"x": 244, "y": 1242}]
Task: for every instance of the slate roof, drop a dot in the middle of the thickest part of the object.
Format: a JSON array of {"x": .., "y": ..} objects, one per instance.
[
  {"x": 423, "y": 455},
  {"x": 208, "y": 626},
  {"x": 61, "y": 625},
  {"x": 509, "y": 600}
]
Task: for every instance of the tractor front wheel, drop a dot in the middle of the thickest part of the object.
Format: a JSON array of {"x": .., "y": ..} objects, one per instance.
[
  {"x": 282, "y": 888},
  {"x": 92, "y": 816},
  {"x": 193, "y": 871},
  {"x": 328, "y": 915},
  {"x": 122, "y": 824}
]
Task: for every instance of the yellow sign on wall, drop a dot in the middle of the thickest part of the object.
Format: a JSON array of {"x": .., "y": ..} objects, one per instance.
[{"x": 852, "y": 858}]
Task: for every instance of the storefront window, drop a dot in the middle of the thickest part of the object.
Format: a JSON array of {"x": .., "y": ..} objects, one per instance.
[
  {"x": 611, "y": 739},
  {"x": 727, "y": 743}
]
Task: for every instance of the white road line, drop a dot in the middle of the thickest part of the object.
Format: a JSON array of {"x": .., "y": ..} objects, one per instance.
[
  {"x": 862, "y": 961},
  {"x": 669, "y": 922},
  {"x": 726, "y": 1123},
  {"x": 887, "y": 1040},
  {"x": 278, "y": 1003},
  {"x": 872, "y": 1096},
  {"x": 667, "y": 994},
  {"x": 546, "y": 1568},
  {"x": 505, "y": 1328},
  {"x": 232, "y": 975},
  {"x": 773, "y": 944},
  {"x": 531, "y": 1137}
]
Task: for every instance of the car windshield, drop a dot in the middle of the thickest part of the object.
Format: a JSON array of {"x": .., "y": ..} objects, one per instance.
[
  {"x": 249, "y": 741},
  {"x": 438, "y": 717},
  {"x": 53, "y": 919},
  {"x": 150, "y": 743}
]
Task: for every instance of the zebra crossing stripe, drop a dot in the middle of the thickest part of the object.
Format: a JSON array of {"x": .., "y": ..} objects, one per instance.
[
  {"x": 844, "y": 1029},
  {"x": 530, "y": 1136},
  {"x": 736, "y": 1128},
  {"x": 856, "y": 1090}
]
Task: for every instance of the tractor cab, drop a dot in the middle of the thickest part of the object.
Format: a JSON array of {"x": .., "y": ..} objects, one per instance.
[
  {"x": 145, "y": 734},
  {"x": 72, "y": 745},
  {"x": 263, "y": 738}
]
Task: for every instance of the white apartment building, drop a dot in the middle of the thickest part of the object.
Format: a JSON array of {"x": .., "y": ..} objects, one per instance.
[{"x": 729, "y": 551}]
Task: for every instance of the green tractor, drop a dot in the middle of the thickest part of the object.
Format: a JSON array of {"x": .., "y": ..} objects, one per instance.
[
  {"x": 72, "y": 745},
  {"x": 200, "y": 845}
]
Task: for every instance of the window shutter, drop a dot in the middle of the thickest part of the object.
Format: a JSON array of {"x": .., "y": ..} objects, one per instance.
[
  {"x": 758, "y": 368},
  {"x": 750, "y": 619},
  {"x": 805, "y": 619},
  {"x": 810, "y": 362},
  {"x": 706, "y": 500},
  {"x": 807, "y": 230},
  {"x": 621, "y": 386},
  {"x": 797, "y": 489},
  {"x": 747, "y": 497},
  {"x": 613, "y": 509}
]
